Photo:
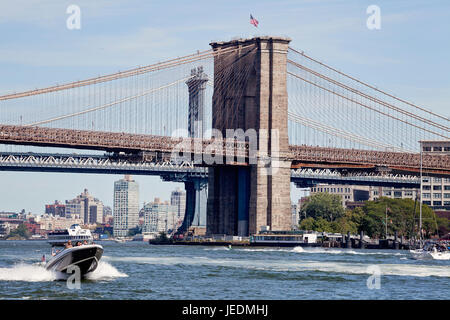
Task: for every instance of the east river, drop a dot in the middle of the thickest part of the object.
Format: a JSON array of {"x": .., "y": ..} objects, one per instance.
[{"x": 137, "y": 270}]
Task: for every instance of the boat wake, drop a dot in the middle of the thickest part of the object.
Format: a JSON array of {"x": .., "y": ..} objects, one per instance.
[
  {"x": 105, "y": 271},
  {"x": 281, "y": 265},
  {"x": 27, "y": 272},
  {"x": 37, "y": 273}
]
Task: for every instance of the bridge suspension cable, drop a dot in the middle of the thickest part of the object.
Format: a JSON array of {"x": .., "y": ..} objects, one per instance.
[
  {"x": 369, "y": 86},
  {"x": 342, "y": 134},
  {"x": 105, "y": 105},
  {"x": 123, "y": 74},
  {"x": 367, "y": 106},
  {"x": 353, "y": 90}
]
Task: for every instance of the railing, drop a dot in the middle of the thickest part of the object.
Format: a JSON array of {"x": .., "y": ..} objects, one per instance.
[{"x": 112, "y": 141}]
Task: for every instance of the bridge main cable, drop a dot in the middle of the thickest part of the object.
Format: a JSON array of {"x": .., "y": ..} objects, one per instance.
[
  {"x": 122, "y": 74},
  {"x": 369, "y": 97},
  {"x": 369, "y": 86}
]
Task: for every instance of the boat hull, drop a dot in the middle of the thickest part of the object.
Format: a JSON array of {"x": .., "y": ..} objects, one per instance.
[
  {"x": 85, "y": 257},
  {"x": 429, "y": 255}
]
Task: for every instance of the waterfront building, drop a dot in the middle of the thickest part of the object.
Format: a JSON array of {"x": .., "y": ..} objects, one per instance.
[
  {"x": 52, "y": 223},
  {"x": 126, "y": 206},
  {"x": 56, "y": 209},
  {"x": 351, "y": 194},
  {"x": 160, "y": 217},
  {"x": 436, "y": 191},
  {"x": 346, "y": 192}
]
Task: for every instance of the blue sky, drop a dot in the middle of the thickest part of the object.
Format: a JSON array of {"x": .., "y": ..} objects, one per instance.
[{"x": 408, "y": 56}]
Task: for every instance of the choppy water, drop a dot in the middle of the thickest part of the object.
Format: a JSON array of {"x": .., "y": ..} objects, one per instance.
[{"x": 136, "y": 270}]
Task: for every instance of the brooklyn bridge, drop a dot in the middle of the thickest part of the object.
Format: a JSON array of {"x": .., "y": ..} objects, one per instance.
[{"x": 236, "y": 124}]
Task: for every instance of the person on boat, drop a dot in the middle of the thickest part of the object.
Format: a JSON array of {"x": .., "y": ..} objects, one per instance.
[
  {"x": 69, "y": 244},
  {"x": 78, "y": 243},
  {"x": 85, "y": 242},
  {"x": 54, "y": 252}
]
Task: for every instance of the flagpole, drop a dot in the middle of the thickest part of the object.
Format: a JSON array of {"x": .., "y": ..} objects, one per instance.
[
  {"x": 386, "y": 222},
  {"x": 420, "y": 210}
]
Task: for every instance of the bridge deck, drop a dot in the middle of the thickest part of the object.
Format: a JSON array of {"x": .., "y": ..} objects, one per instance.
[{"x": 301, "y": 156}]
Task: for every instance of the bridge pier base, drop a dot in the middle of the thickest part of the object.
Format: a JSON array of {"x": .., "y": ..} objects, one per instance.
[{"x": 196, "y": 198}]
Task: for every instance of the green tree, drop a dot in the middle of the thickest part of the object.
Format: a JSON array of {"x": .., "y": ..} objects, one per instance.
[
  {"x": 307, "y": 224},
  {"x": 349, "y": 222},
  {"x": 20, "y": 231},
  {"x": 322, "y": 225},
  {"x": 400, "y": 218},
  {"x": 323, "y": 205}
]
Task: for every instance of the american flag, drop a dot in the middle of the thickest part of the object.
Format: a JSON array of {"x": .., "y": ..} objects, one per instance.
[{"x": 253, "y": 21}]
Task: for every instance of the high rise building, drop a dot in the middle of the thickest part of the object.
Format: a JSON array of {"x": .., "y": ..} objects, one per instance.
[
  {"x": 126, "y": 206},
  {"x": 178, "y": 199},
  {"x": 160, "y": 217},
  {"x": 56, "y": 209},
  {"x": 85, "y": 207}
]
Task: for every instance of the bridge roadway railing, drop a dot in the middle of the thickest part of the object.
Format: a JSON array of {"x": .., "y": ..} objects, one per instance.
[
  {"x": 134, "y": 143},
  {"x": 118, "y": 141},
  {"x": 357, "y": 157}
]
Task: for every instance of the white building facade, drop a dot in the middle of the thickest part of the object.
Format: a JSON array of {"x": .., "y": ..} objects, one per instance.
[{"x": 126, "y": 206}]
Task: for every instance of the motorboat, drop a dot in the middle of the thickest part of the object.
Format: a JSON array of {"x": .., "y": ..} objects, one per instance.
[
  {"x": 430, "y": 251},
  {"x": 85, "y": 257},
  {"x": 119, "y": 240},
  {"x": 83, "y": 254}
]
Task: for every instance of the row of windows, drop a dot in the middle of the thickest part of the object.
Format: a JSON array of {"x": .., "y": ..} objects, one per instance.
[
  {"x": 437, "y": 203},
  {"x": 436, "y": 148},
  {"x": 436, "y": 188},
  {"x": 438, "y": 180},
  {"x": 332, "y": 190},
  {"x": 447, "y": 188}
]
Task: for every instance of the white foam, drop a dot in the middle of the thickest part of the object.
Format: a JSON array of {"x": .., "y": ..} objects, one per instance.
[
  {"x": 298, "y": 249},
  {"x": 37, "y": 273},
  {"x": 346, "y": 251},
  {"x": 299, "y": 265},
  {"x": 105, "y": 271},
  {"x": 26, "y": 272}
]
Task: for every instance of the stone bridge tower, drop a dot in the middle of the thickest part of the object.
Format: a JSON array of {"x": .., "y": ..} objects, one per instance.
[{"x": 250, "y": 93}]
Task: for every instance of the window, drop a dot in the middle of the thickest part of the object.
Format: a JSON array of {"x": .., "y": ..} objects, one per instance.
[
  {"x": 437, "y": 148},
  {"x": 425, "y": 179},
  {"x": 397, "y": 194},
  {"x": 437, "y": 187},
  {"x": 427, "y": 195},
  {"x": 426, "y": 148},
  {"x": 437, "y": 195},
  {"x": 446, "y": 149},
  {"x": 437, "y": 203},
  {"x": 446, "y": 203},
  {"x": 446, "y": 187},
  {"x": 426, "y": 187},
  {"x": 427, "y": 203},
  {"x": 447, "y": 195},
  {"x": 437, "y": 180}
]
